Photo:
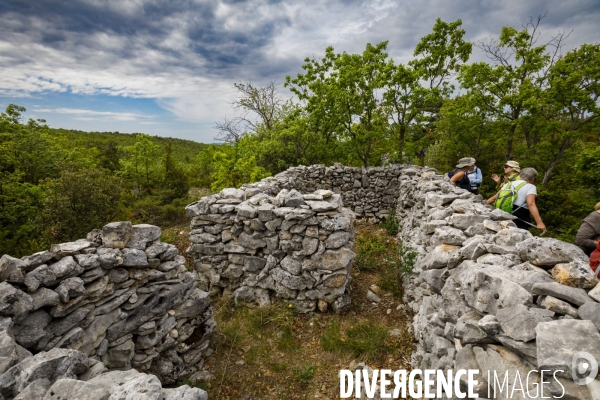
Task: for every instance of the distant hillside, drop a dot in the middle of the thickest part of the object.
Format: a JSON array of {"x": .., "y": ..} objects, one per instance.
[{"x": 183, "y": 150}]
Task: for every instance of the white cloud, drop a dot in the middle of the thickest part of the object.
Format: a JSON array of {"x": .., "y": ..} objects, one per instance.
[{"x": 93, "y": 115}]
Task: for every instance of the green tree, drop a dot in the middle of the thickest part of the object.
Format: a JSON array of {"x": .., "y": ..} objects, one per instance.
[
  {"x": 80, "y": 200},
  {"x": 175, "y": 182},
  {"x": 415, "y": 92},
  {"x": 141, "y": 164},
  {"x": 110, "y": 156},
  {"x": 342, "y": 91}
]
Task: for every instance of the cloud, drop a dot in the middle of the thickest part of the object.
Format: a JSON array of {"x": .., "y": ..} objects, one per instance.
[
  {"x": 187, "y": 54},
  {"x": 92, "y": 115}
]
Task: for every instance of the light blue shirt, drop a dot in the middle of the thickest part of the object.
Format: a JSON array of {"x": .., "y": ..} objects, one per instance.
[{"x": 475, "y": 177}]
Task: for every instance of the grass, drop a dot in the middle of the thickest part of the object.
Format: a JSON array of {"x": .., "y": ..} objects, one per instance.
[{"x": 276, "y": 353}]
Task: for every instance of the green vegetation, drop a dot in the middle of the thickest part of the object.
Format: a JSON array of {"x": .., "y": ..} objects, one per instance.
[
  {"x": 377, "y": 251},
  {"x": 304, "y": 374},
  {"x": 390, "y": 223},
  {"x": 57, "y": 185},
  {"x": 365, "y": 340}
]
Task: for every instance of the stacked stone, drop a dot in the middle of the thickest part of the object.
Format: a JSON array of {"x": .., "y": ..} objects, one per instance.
[
  {"x": 369, "y": 192},
  {"x": 121, "y": 297},
  {"x": 490, "y": 296},
  {"x": 253, "y": 246},
  {"x": 63, "y": 373}
]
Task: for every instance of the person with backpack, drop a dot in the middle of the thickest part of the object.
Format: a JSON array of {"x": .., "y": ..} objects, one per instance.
[
  {"x": 518, "y": 198},
  {"x": 588, "y": 235},
  {"x": 511, "y": 173},
  {"x": 475, "y": 177},
  {"x": 459, "y": 175}
]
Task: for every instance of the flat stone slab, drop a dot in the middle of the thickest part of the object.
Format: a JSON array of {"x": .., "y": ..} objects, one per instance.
[
  {"x": 572, "y": 295},
  {"x": 519, "y": 322}
]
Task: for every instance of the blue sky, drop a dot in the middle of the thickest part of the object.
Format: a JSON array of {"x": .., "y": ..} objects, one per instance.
[{"x": 167, "y": 67}]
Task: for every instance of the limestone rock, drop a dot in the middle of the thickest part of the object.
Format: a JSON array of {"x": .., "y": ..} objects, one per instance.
[
  {"x": 575, "y": 274},
  {"x": 558, "y": 341},
  {"x": 71, "y": 248},
  {"x": 52, "y": 365},
  {"x": 548, "y": 252},
  {"x": 488, "y": 293},
  {"x": 14, "y": 302},
  {"x": 116, "y": 234},
  {"x": 518, "y": 322},
  {"x": 142, "y": 234},
  {"x": 74, "y": 389},
  {"x": 560, "y": 307},
  {"x": 572, "y": 295},
  {"x": 589, "y": 311},
  {"x": 11, "y": 269}
]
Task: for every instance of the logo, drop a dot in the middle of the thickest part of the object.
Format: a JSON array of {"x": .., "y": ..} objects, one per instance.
[{"x": 583, "y": 362}]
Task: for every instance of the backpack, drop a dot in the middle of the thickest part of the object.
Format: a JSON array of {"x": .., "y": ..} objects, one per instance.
[
  {"x": 507, "y": 197},
  {"x": 451, "y": 173}
]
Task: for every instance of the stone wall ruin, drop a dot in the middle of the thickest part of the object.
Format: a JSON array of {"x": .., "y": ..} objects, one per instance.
[
  {"x": 116, "y": 300},
  {"x": 254, "y": 246},
  {"x": 492, "y": 297}
]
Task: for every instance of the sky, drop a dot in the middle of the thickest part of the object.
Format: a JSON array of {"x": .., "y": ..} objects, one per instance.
[{"x": 167, "y": 67}]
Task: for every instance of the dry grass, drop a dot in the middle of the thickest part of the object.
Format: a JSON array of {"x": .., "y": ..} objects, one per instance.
[{"x": 275, "y": 353}]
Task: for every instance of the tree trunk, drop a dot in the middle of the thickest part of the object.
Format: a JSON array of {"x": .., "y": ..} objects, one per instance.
[{"x": 564, "y": 146}]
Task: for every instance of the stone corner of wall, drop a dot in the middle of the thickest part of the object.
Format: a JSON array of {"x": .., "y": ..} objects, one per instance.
[{"x": 117, "y": 300}]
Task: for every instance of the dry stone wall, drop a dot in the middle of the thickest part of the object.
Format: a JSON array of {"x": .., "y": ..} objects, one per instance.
[
  {"x": 489, "y": 296},
  {"x": 254, "y": 244},
  {"x": 116, "y": 300},
  {"x": 369, "y": 192}
]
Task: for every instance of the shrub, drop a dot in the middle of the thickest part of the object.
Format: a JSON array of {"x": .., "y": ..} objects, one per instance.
[
  {"x": 304, "y": 374},
  {"x": 390, "y": 223},
  {"x": 370, "y": 248}
]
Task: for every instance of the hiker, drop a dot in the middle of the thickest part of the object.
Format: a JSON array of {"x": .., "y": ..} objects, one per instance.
[
  {"x": 475, "y": 177},
  {"x": 511, "y": 173},
  {"x": 589, "y": 231},
  {"x": 459, "y": 175},
  {"x": 518, "y": 198},
  {"x": 595, "y": 260}
]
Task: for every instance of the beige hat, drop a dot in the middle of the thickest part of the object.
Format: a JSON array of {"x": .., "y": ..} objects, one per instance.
[
  {"x": 514, "y": 165},
  {"x": 465, "y": 162}
]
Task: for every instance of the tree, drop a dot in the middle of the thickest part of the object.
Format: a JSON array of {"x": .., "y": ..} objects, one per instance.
[
  {"x": 80, "y": 200},
  {"x": 257, "y": 107},
  {"x": 175, "y": 184},
  {"x": 342, "y": 92},
  {"x": 415, "y": 92},
  {"x": 110, "y": 156},
  {"x": 517, "y": 76},
  {"x": 142, "y": 163}
]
